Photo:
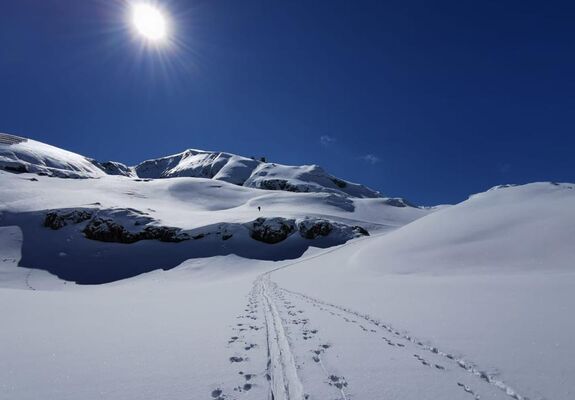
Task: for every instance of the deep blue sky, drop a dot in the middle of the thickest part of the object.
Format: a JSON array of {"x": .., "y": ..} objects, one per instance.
[{"x": 427, "y": 100}]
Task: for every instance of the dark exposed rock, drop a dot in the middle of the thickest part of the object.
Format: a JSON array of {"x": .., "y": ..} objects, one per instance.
[
  {"x": 60, "y": 218},
  {"x": 361, "y": 231},
  {"x": 107, "y": 230},
  {"x": 280, "y": 184},
  {"x": 310, "y": 229},
  {"x": 275, "y": 230},
  {"x": 164, "y": 234},
  {"x": 271, "y": 230},
  {"x": 16, "y": 168},
  {"x": 397, "y": 202},
  {"x": 11, "y": 139},
  {"x": 339, "y": 183},
  {"x": 126, "y": 225},
  {"x": 114, "y": 225},
  {"x": 113, "y": 168}
]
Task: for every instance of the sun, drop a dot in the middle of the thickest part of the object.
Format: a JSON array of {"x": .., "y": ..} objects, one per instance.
[{"x": 149, "y": 22}]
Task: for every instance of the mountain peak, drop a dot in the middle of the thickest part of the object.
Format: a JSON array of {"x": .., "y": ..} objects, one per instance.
[{"x": 18, "y": 154}]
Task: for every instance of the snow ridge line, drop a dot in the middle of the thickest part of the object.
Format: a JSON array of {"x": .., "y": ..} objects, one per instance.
[
  {"x": 282, "y": 370},
  {"x": 326, "y": 252},
  {"x": 466, "y": 365},
  {"x": 27, "y": 280}
]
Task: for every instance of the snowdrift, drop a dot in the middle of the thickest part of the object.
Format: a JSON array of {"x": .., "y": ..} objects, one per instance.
[{"x": 506, "y": 229}]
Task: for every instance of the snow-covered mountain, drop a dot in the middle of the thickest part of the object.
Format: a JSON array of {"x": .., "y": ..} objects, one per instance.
[
  {"x": 215, "y": 284},
  {"x": 250, "y": 173},
  {"x": 19, "y": 154}
]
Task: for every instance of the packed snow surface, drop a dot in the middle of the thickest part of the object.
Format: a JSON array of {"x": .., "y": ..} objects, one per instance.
[{"x": 471, "y": 301}]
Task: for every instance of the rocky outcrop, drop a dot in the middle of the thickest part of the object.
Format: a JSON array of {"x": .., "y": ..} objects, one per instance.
[
  {"x": 312, "y": 228},
  {"x": 275, "y": 230},
  {"x": 127, "y": 225},
  {"x": 397, "y": 202},
  {"x": 271, "y": 230},
  {"x": 280, "y": 184},
  {"x": 107, "y": 230},
  {"x": 339, "y": 183},
  {"x": 360, "y": 231},
  {"x": 123, "y": 225},
  {"x": 14, "y": 168},
  {"x": 114, "y": 168},
  {"x": 58, "y": 219}
]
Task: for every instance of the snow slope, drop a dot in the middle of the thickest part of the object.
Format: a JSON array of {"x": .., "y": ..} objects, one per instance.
[
  {"x": 511, "y": 229},
  {"x": 212, "y": 218},
  {"x": 470, "y": 301},
  {"x": 488, "y": 282},
  {"x": 19, "y": 154}
]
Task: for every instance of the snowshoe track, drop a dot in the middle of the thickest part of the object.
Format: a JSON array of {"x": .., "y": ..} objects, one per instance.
[{"x": 352, "y": 316}]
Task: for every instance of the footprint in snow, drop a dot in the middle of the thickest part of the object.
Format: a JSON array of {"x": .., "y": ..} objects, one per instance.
[
  {"x": 247, "y": 377},
  {"x": 468, "y": 390},
  {"x": 337, "y": 381},
  {"x": 422, "y": 360},
  {"x": 217, "y": 394},
  {"x": 246, "y": 387}
]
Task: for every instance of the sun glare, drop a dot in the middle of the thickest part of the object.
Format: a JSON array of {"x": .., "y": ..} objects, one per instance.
[{"x": 150, "y": 22}]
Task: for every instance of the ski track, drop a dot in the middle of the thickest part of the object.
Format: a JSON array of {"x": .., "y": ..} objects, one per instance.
[
  {"x": 298, "y": 319},
  {"x": 352, "y": 316},
  {"x": 281, "y": 369},
  {"x": 284, "y": 380}
]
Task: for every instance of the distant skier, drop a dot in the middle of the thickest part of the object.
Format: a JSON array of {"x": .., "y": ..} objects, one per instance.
[{"x": 259, "y": 208}]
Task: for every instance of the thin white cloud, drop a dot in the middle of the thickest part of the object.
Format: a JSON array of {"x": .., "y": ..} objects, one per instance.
[
  {"x": 326, "y": 140},
  {"x": 370, "y": 159}
]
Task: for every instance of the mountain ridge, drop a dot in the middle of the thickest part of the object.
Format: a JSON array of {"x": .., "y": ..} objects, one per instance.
[{"x": 20, "y": 154}]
